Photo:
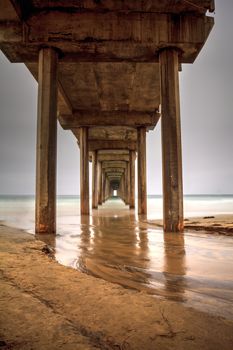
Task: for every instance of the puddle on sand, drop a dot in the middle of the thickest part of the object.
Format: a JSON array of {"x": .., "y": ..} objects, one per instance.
[{"x": 193, "y": 268}]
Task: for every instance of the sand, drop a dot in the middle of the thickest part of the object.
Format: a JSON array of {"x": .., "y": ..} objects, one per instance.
[
  {"x": 222, "y": 224},
  {"x": 44, "y": 305}
]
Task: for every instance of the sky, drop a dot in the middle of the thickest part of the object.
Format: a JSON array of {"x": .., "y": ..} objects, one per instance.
[{"x": 206, "y": 95}]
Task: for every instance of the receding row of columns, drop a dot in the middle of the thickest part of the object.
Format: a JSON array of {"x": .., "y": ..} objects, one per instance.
[
  {"x": 171, "y": 150},
  {"x": 101, "y": 184}
]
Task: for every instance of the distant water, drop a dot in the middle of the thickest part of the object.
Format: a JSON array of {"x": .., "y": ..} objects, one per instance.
[
  {"x": 194, "y": 268},
  {"x": 19, "y": 210}
]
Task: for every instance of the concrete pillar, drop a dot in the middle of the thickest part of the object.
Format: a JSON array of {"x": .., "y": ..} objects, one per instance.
[
  {"x": 103, "y": 186},
  {"x": 99, "y": 183},
  {"x": 128, "y": 183},
  {"x": 171, "y": 141},
  {"x": 123, "y": 187},
  {"x": 84, "y": 171},
  {"x": 46, "y": 151},
  {"x": 142, "y": 192},
  {"x": 119, "y": 192},
  {"x": 94, "y": 180},
  {"x": 127, "y": 186},
  {"x": 109, "y": 189},
  {"x": 132, "y": 179},
  {"x": 106, "y": 188}
]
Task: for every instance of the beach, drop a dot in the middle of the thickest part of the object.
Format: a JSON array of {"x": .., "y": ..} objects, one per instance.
[
  {"x": 113, "y": 280},
  {"x": 50, "y": 306},
  {"x": 220, "y": 223}
]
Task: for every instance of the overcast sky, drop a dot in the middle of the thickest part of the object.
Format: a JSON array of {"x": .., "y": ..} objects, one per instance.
[{"x": 206, "y": 93}]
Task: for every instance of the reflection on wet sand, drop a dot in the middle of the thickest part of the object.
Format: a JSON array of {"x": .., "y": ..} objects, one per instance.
[
  {"x": 112, "y": 249},
  {"x": 174, "y": 266},
  {"x": 116, "y": 246}
]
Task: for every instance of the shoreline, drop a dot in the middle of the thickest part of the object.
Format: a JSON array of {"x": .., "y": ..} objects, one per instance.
[
  {"x": 220, "y": 223},
  {"x": 50, "y": 306}
]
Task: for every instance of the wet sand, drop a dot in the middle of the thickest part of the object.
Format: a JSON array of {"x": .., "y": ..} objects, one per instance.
[
  {"x": 193, "y": 268},
  {"x": 222, "y": 224},
  {"x": 45, "y": 305}
]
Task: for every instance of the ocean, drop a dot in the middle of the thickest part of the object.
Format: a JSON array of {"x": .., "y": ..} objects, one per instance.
[{"x": 19, "y": 210}]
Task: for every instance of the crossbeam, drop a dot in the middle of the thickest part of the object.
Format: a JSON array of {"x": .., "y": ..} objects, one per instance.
[
  {"x": 113, "y": 157},
  {"x": 112, "y": 118},
  {"x": 111, "y": 144},
  {"x": 89, "y": 36}
]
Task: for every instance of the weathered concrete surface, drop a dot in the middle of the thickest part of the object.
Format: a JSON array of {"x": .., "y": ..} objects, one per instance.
[
  {"x": 84, "y": 171},
  {"x": 44, "y": 305},
  {"x": 94, "y": 180},
  {"x": 171, "y": 142},
  {"x": 109, "y": 75},
  {"x": 142, "y": 179},
  {"x": 46, "y": 150},
  {"x": 108, "y": 63}
]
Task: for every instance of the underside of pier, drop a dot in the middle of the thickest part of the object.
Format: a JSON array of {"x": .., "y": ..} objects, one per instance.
[{"x": 107, "y": 70}]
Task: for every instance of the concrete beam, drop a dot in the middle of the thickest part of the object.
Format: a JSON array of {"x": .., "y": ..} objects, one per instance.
[
  {"x": 127, "y": 6},
  {"x": 113, "y": 170},
  {"x": 113, "y": 174},
  {"x": 111, "y": 144},
  {"x": 89, "y": 36},
  {"x": 65, "y": 101},
  {"x": 114, "y": 118},
  {"x": 112, "y": 178},
  {"x": 113, "y": 157},
  {"x": 114, "y": 164}
]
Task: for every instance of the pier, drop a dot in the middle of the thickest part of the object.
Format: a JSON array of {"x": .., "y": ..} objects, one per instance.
[{"x": 107, "y": 71}]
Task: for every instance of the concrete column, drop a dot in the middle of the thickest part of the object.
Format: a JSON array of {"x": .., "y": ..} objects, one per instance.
[
  {"x": 171, "y": 141},
  {"x": 132, "y": 179},
  {"x": 94, "y": 180},
  {"x": 46, "y": 151},
  {"x": 127, "y": 184},
  {"x": 142, "y": 192},
  {"x": 106, "y": 188},
  {"x": 123, "y": 187},
  {"x": 84, "y": 171},
  {"x": 109, "y": 189},
  {"x": 103, "y": 186},
  {"x": 99, "y": 183},
  {"x": 119, "y": 192}
]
